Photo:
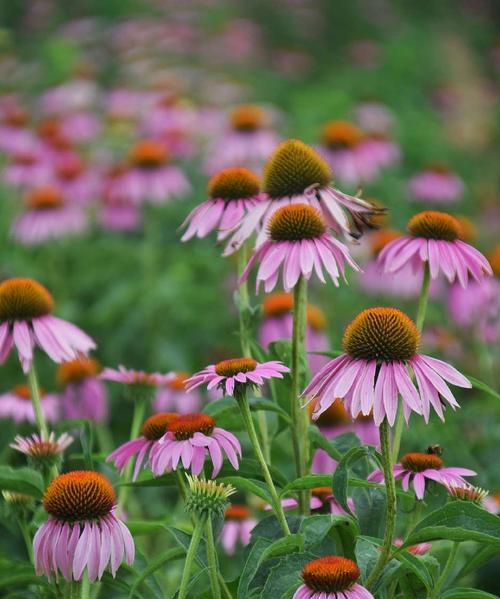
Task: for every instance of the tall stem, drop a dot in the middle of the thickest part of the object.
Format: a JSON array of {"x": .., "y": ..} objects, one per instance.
[
  {"x": 85, "y": 587},
  {"x": 137, "y": 418},
  {"x": 190, "y": 556},
  {"x": 390, "y": 504},
  {"x": 421, "y": 312},
  {"x": 213, "y": 566},
  {"x": 243, "y": 312},
  {"x": 36, "y": 401},
  {"x": 276, "y": 503},
  {"x": 446, "y": 571},
  {"x": 23, "y": 525},
  {"x": 300, "y": 416}
]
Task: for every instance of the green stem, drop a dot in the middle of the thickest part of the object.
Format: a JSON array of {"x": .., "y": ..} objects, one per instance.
[
  {"x": 421, "y": 312},
  {"x": 180, "y": 482},
  {"x": 36, "y": 401},
  {"x": 73, "y": 590},
  {"x": 300, "y": 416},
  {"x": 85, "y": 587},
  {"x": 390, "y": 505},
  {"x": 190, "y": 557},
  {"x": 23, "y": 525},
  {"x": 137, "y": 419},
  {"x": 446, "y": 570},
  {"x": 213, "y": 567},
  {"x": 276, "y": 503},
  {"x": 414, "y": 516},
  {"x": 104, "y": 437},
  {"x": 225, "y": 590}
]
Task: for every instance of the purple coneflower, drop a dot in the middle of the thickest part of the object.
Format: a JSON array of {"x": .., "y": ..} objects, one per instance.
[
  {"x": 82, "y": 533},
  {"x": 76, "y": 180},
  {"x": 238, "y": 525},
  {"x": 322, "y": 501},
  {"x": 16, "y": 404},
  {"x": 27, "y": 169},
  {"x": 174, "y": 396},
  {"x": 188, "y": 440},
  {"x": 437, "y": 185},
  {"x": 331, "y": 577},
  {"x": 26, "y": 321},
  {"x": 380, "y": 344},
  {"x": 42, "y": 451},
  {"x": 418, "y": 549},
  {"x": 128, "y": 376}
]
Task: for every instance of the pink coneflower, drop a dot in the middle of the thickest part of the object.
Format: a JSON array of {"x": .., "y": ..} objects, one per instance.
[
  {"x": 435, "y": 237},
  {"x": 188, "y": 440},
  {"x": 135, "y": 377},
  {"x": 119, "y": 215},
  {"x": 374, "y": 117},
  {"x": 84, "y": 394},
  {"x": 417, "y": 467},
  {"x": 296, "y": 174},
  {"x": 76, "y": 180},
  {"x": 16, "y": 404},
  {"x": 380, "y": 344},
  {"x": 277, "y": 323},
  {"x": 299, "y": 241},
  {"x": 437, "y": 185},
  {"x": 47, "y": 216},
  {"x": 238, "y": 525},
  {"x": 82, "y": 533},
  {"x": 233, "y": 192},
  {"x": 248, "y": 141},
  {"x": 418, "y": 549},
  {"x": 27, "y": 168},
  {"x": 230, "y": 375},
  {"x": 81, "y": 127},
  {"x": 150, "y": 177},
  {"x": 152, "y": 431},
  {"x": 379, "y": 150},
  {"x": 15, "y": 136},
  {"x": 26, "y": 321},
  {"x": 43, "y": 452},
  {"x": 322, "y": 501},
  {"x": 173, "y": 396},
  {"x": 331, "y": 577}
]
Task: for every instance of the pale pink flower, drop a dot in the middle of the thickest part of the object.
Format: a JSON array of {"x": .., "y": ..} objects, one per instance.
[
  {"x": 17, "y": 405},
  {"x": 38, "y": 447},
  {"x": 436, "y": 185},
  {"x": 27, "y": 169},
  {"x": 174, "y": 397},
  {"x": 418, "y": 549},
  {"x": 322, "y": 500},
  {"x": 237, "y": 528}
]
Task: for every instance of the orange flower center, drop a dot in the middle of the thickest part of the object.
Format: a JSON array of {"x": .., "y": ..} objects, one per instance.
[
  {"x": 468, "y": 230},
  {"x": 148, "y": 154},
  {"x": 156, "y": 426},
  {"x": 237, "y": 512},
  {"x": 494, "y": 259},
  {"x": 77, "y": 370},
  {"x": 322, "y": 493},
  {"x": 185, "y": 426},
  {"x": 179, "y": 382},
  {"x": 79, "y": 495},
  {"x": 16, "y": 117},
  {"x": 334, "y": 415},
  {"x": 292, "y": 168},
  {"x": 70, "y": 168},
  {"x": 379, "y": 239},
  {"x": 247, "y": 118},
  {"x": 340, "y": 134},
  {"x": 281, "y": 303},
  {"x": 44, "y": 198},
  {"x": 295, "y": 223},
  {"x": 418, "y": 462},
  {"x": 24, "y": 299},
  {"x": 431, "y": 224},
  {"x": 330, "y": 574},
  {"x": 316, "y": 318},
  {"x": 23, "y": 391},
  {"x": 234, "y": 184},
  {"x": 235, "y": 366}
]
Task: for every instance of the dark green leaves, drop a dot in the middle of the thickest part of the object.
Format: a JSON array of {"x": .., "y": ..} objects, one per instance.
[
  {"x": 477, "y": 384},
  {"x": 22, "y": 480}
]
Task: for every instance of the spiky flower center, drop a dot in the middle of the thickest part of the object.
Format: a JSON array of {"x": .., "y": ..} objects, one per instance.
[
  {"x": 185, "y": 426},
  {"x": 44, "y": 198},
  {"x": 330, "y": 574},
  {"x": 178, "y": 382},
  {"x": 494, "y": 260},
  {"x": 292, "y": 168},
  {"x": 234, "y": 366},
  {"x": 431, "y": 224},
  {"x": 207, "y": 497},
  {"x": 79, "y": 495},
  {"x": 379, "y": 239},
  {"x": 418, "y": 462},
  {"x": 382, "y": 334},
  {"x": 280, "y": 304},
  {"x": 148, "y": 154},
  {"x": 322, "y": 493},
  {"x": 237, "y": 512},
  {"x": 468, "y": 230},
  {"x": 70, "y": 168},
  {"x": 234, "y": 183},
  {"x": 295, "y": 223},
  {"x": 334, "y": 415},
  {"x": 156, "y": 426},
  {"x": 247, "y": 118},
  {"x": 77, "y": 370},
  {"x": 468, "y": 493},
  {"x": 23, "y": 392},
  {"x": 24, "y": 299},
  {"x": 340, "y": 134}
]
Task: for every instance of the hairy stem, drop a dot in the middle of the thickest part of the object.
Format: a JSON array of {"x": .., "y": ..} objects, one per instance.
[
  {"x": 36, "y": 401},
  {"x": 300, "y": 416},
  {"x": 390, "y": 504},
  {"x": 190, "y": 557},
  {"x": 213, "y": 566},
  {"x": 276, "y": 503}
]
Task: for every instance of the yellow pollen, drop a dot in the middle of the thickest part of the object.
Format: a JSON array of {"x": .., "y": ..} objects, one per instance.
[
  {"x": 44, "y": 198},
  {"x": 148, "y": 154},
  {"x": 247, "y": 118},
  {"x": 435, "y": 225},
  {"x": 156, "y": 426},
  {"x": 418, "y": 462},
  {"x": 340, "y": 134},
  {"x": 77, "y": 370},
  {"x": 295, "y": 223},
  {"x": 235, "y": 366},
  {"x": 24, "y": 299},
  {"x": 382, "y": 334},
  {"x": 330, "y": 574},
  {"x": 234, "y": 183},
  {"x": 292, "y": 168}
]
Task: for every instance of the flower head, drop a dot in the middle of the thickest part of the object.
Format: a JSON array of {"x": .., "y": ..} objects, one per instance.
[
  {"x": 238, "y": 525},
  {"x": 467, "y": 492},
  {"x": 82, "y": 532},
  {"x": 435, "y": 238},
  {"x": 233, "y": 375},
  {"x": 17, "y": 404},
  {"x": 139, "y": 382},
  {"x": 26, "y": 321},
  {"x": 174, "y": 397},
  {"x": 42, "y": 452},
  {"x": 331, "y": 577},
  {"x": 436, "y": 184},
  {"x": 248, "y": 118},
  {"x": 298, "y": 240},
  {"x": 188, "y": 439},
  {"x": 380, "y": 344},
  {"x": 84, "y": 394},
  {"x": 207, "y": 497}
]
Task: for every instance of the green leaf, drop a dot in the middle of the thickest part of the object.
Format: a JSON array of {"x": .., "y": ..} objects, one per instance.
[
  {"x": 307, "y": 482},
  {"x": 18, "y": 574},
  {"x": 22, "y": 480},
  {"x": 481, "y": 556},
  {"x": 477, "y": 384},
  {"x": 416, "y": 566},
  {"x": 462, "y": 593},
  {"x": 318, "y": 441},
  {"x": 250, "y": 468},
  {"x": 457, "y": 521},
  {"x": 146, "y": 479},
  {"x": 258, "y": 403},
  {"x": 343, "y": 530},
  {"x": 250, "y": 486},
  {"x": 144, "y": 527},
  {"x": 164, "y": 558},
  {"x": 226, "y": 412},
  {"x": 284, "y": 578}
]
